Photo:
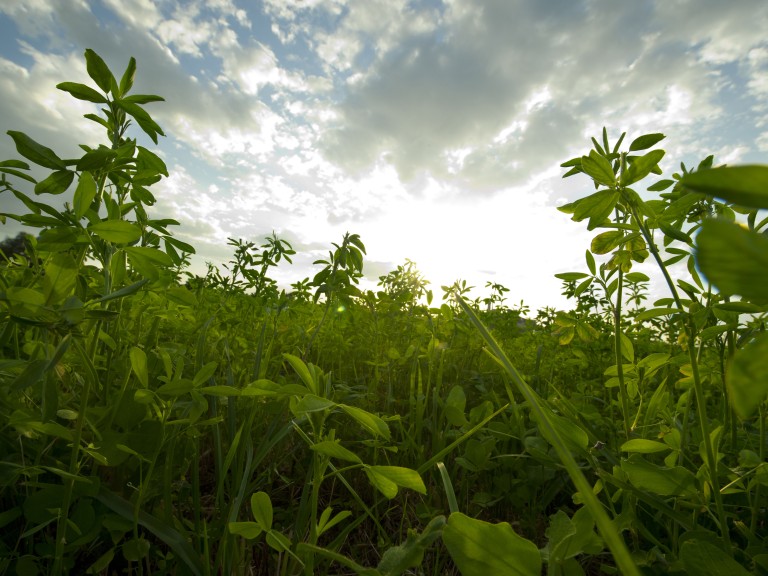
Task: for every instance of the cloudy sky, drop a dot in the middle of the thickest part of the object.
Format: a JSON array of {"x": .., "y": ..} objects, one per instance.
[{"x": 432, "y": 128}]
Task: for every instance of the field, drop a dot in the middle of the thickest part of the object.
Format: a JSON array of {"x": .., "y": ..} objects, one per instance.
[{"x": 159, "y": 422}]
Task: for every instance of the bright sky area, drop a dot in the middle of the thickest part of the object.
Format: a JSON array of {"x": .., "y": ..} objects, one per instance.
[{"x": 432, "y": 128}]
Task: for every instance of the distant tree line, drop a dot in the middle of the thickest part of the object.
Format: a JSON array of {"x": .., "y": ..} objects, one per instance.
[{"x": 16, "y": 245}]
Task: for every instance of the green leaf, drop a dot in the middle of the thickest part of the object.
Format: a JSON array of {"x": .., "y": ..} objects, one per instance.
[
  {"x": 326, "y": 522},
  {"x": 403, "y": 477},
  {"x": 153, "y": 255},
  {"x": 655, "y": 313},
  {"x": 261, "y": 507},
  {"x": 571, "y": 276},
  {"x": 597, "y": 207},
  {"x": 641, "y": 167},
  {"x": 675, "y": 481},
  {"x": 369, "y": 421},
  {"x": 116, "y": 231},
  {"x": 627, "y": 350},
  {"x": 125, "y": 291},
  {"x": 660, "y": 186},
  {"x": 741, "y": 307},
  {"x": 743, "y": 185},
  {"x": 135, "y": 549},
  {"x": 278, "y": 541},
  {"x": 35, "y": 152},
  {"x": 248, "y": 530},
  {"x": 604, "y": 242},
  {"x": 205, "y": 373},
  {"x": 143, "y": 119},
  {"x": 178, "y": 387},
  {"x": 410, "y": 554},
  {"x": 643, "y": 446},
  {"x": 142, "y": 99},
  {"x": 95, "y": 160},
  {"x": 705, "y": 559},
  {"x": 455, "y": 405},
  {"x": 31, "y": 375},
  {"x": 302, "y": 370},
  {"x": 181, "y": 295},
  {"x": 636, "y": 277},
  {"x": 582, "y": 287},
  {"x": 675, "y": 233},
  {"x": 60, "y": 278},
  {"x": 148, "y": 160},
  {"x": 139, "y": 365},
  {"x": 591, "y": 262},
  {"x": 82, "y": 92},
  {"x": 735, "y": 260},
  {"x": 84, "y": 194},
  {"x": 311, "y": 403},
  {"x": 170, "y": 536},
  {"x": 333, "y": 449},
  {"x": 569, "y": 537},
  {"x": 102, "y": 563},
  {"x": 646, "y": 141},
  {"x": 598, "y": 168},
  {"x": 56, "y": 183},
  {"x": 25, "y": 301},
  {"x": 183, "y": 246},
  {"x": 569, "y": 432},
  {"x": 747, "y": 378},
  {"x": 98, "y": 71},
  {"x": 382, "y": 483},
  {"x": 479, "y": 548},
  {"x": 126, "y": 82}
]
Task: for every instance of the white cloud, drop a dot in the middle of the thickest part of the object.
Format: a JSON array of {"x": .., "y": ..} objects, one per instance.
[{"x": 424, "y": 126}]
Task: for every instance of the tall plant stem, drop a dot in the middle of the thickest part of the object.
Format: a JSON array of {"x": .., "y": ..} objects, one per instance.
[
  {"x": 317, "y": 328},
  {"x": 756, "y": 502},
  {"x": 542, "y": 414},
  {"x": 701, "y": 402},
  {"x": 61, "y": 527},
  {"x": 619, "y": 356}
]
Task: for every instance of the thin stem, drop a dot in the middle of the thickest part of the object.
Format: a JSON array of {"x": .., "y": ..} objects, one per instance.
[
  {"x": 619, "y": 356},
  {"x": 701, "y": 402}
]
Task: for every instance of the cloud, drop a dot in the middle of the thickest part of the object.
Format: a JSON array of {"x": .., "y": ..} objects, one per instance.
[{"x": 431, "y": 96}]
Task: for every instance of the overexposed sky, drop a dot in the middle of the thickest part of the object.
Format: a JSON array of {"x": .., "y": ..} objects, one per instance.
[{"x": 432, "y": 128}]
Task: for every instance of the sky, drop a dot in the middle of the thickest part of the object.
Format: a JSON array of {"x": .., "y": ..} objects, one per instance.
[{"x": 434, "y": 129}]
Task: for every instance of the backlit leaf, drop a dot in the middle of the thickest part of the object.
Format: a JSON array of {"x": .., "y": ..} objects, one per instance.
[
  {"x": 403, "y": 477},
  {"x": 126, "y": 82},
  {"x": 747, "y": 378},
  {"x": 604, "y": 242},
  {"x": 641, "y": 167},
  {"x": 261, "y": 507},
  {"x": 333, "y": 449},
  {"x": 117, "y": 231},
  {"x": 674, "y": 481},
  {"x": 84, "y": 194},
  {"x": 742, "y": 185},
  {"x": 479, "y": 548},
  {"x": 35, "y": 152},
  {"x": 98, "y": 70},
  {"x": 735, "y": 260},
  {"x": 56, "y": 183},
  {"x": 369, "y": 421},
  {"x": 139, "y": 365},
  {"x": 60, "y": 278},
  {"x": 82, "y": 92},
  {"x": 705, "y": 559},
  {"x": 646, "y": 141},
  {"x": 643, "y": 446},
  {"x": 598, "y": 168}
]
